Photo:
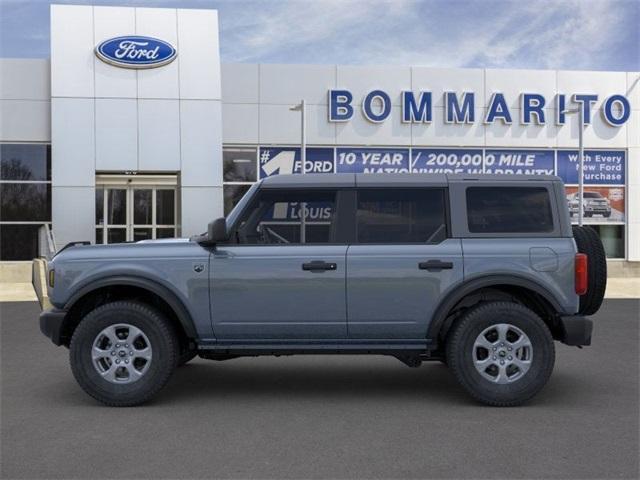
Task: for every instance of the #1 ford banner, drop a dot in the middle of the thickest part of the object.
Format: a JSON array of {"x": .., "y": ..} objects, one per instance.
[{"x": 286, "y": 160}]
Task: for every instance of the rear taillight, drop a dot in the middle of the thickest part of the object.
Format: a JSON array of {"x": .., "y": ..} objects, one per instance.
[{"x": 582, "y": 282}]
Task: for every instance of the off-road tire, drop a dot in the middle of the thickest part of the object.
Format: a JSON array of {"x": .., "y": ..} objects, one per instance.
[
  {"x": 460, "y": 349},
  {"x": 163, "y": 342},
  {"x": 589, "y": 243}
]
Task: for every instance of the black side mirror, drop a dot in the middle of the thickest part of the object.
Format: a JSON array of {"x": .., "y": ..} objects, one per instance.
[{"x": 217, "y": 231}]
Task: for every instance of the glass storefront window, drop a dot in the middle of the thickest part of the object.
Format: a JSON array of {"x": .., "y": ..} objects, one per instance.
[
  {"x": 165, "y": 207},
  {"x": 25, "y": 198},
  {"x": 240, "y": 172},
  {"x": 18, "y": 242},
  {"x": 99, "y": 206},
  {"x": 239, "y": 164},
  {"x": 25, "y": 202},
  {"x": 25, "y": 162},
  {"x": 142, "y": 234},
  {"x": 142, "y": 206},
  {"x": 117, "y": 206},
  {"x": 232, "y": 195},
  {"x": 612, "y": 237},
  {"x": 137, "y": 211},
  {"x": 165, "y": 232},
  {"x": 116, "y": 235}
]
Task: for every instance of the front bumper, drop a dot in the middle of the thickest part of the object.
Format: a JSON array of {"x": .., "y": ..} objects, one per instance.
[
  {"x": 51, "y": 323},
  {"x": 597, "y": 209},
  {"x": 575, "y": 330}
]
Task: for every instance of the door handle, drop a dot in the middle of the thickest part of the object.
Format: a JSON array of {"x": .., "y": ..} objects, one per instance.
[
  {"x": 318, "y": 266},
  {"x": 435, "y": 265}
]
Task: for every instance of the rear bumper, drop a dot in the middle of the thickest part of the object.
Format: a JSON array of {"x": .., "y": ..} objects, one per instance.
[
  {"x": 575, "y": 330},
  {"x": 51, "y": 322}
]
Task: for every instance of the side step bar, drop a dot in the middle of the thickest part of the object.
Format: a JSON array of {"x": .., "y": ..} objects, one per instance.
[{"x": 318, "y": 348}]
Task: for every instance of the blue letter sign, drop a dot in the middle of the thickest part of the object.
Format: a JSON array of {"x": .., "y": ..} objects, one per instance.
[
  {"x": 561, "y": 102},
  {"x": 532, "y": 104},
  {"x": 340, "y": 109},
  {"x": 585, "y": 101},
  {"x": 498, "y": 108},
  {"x": 375, "y": 106},
  {"x": 454, "y": 113},
  {"x": 385, "y": 109},
  {"x": 416, "y": 113},
  {"x": 609, "y": 115}
]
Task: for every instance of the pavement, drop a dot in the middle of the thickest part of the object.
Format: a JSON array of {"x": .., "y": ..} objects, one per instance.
[
  {"x": 322, "y": 417},
  {"x": 17, "y": 292},
  {"x": 623, "y": 287}
]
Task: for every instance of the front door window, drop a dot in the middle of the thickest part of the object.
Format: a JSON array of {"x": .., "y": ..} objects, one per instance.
[{"x": 289, "y": 218}]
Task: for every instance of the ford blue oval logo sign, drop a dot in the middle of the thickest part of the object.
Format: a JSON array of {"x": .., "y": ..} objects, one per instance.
[{"x": 134, "y": 51}]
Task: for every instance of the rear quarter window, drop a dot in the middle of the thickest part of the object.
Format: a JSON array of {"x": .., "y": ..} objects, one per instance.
[{"x": 509, "y": 210}]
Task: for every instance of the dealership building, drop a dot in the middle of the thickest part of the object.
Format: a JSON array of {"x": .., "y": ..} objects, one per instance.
[{"x": 134, "y": 130}]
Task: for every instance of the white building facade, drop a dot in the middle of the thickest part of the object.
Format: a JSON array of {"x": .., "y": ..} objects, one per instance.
[{"x": 106, "y": 153}]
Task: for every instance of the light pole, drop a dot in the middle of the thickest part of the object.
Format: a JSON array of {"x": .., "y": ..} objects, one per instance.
[
  {"x": 580, "y": 111},
  {"x": 303, "y": 158},
  {"x": 303, "y": 133}
]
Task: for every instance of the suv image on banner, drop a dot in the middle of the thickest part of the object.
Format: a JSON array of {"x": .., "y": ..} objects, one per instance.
[
  {"x": 593, "y": 203},
  {"x": 482, "y": 273}
]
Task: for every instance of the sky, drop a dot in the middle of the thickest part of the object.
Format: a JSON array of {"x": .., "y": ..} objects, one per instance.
[{"x": 534, "y": 34}]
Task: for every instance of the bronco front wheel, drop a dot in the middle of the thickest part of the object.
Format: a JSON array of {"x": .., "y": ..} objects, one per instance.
[
  {"x": 502, "y": 353},
  {"x": 123, "y": 353}
]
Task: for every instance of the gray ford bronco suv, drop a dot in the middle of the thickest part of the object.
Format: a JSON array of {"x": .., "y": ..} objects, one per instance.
[{"x": 480, "y": 272}]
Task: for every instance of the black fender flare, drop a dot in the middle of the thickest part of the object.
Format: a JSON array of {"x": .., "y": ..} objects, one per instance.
[
  {"x": 183, "y": 315},
  {"x": 461, "y": 291}
]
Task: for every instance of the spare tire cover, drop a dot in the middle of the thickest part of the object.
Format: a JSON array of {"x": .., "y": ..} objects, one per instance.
[{"x": 589, "y": 243}]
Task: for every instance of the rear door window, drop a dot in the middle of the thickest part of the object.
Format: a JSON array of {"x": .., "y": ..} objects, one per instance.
[
  {"x": 509, "y": 210},
  {"x": 401, "y": 215}
]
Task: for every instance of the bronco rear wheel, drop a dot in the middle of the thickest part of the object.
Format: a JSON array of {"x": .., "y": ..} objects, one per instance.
[
  {"x": 123, "y": 353},
  {"x": 589, "y": 243},
  {"x": 502, "y": 353}
]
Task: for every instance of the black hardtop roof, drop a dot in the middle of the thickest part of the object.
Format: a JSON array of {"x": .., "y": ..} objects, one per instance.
[{"x": 319, "y": 180}]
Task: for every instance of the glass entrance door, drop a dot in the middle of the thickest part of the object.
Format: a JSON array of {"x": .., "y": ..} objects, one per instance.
[{"x": 135, "y": 212}]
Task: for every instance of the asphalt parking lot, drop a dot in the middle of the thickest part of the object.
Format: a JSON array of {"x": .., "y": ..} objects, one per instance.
[{"x": 322, "y": 417}]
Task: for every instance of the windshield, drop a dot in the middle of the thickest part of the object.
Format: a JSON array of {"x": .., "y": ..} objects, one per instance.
[{"x": 592, "y": 195}]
